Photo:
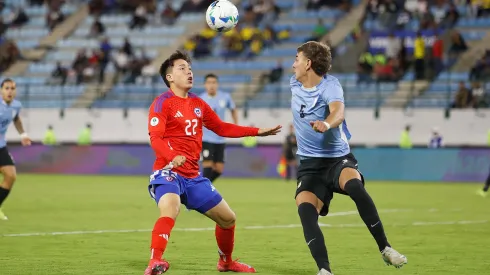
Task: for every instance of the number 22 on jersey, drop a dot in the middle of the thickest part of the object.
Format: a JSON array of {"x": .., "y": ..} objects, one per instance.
[{"x": 190, "y": 126}]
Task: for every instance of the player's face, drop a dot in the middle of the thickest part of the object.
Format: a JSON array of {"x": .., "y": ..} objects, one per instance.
[
  {"x": 300, "y": 66},
  {"x": 211, "y": 85},
  {"x": 181, "y": 75},
  {"x": 8, "y": 91}
]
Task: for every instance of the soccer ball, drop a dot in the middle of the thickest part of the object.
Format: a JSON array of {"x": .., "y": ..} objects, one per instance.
[{"x": 222, "y": 16}]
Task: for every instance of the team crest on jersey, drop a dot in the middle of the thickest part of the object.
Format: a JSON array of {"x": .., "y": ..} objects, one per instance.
[
  {"x": 170, "y": 178},
  {"x": 197, "y": 111},
  {"x": 222, "y": 103}
]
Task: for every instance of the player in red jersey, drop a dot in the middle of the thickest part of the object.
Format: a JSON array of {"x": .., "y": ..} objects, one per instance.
[{"x": 175, "y": 124}]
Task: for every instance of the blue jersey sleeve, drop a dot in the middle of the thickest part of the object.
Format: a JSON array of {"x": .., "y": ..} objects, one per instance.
[{"x": 333, "y": 91}]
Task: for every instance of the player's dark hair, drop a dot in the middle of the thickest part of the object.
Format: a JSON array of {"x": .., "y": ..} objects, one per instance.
[
  {"x": 319, "y": 54},
  {"x": 6, "y": 80},
  {"x": 169, "y": 63},
  {"x": 210, "y": 76}
]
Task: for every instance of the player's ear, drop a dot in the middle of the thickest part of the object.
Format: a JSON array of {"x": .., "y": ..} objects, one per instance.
[
  {"x": 308, "y": 64},
  {"x": 169, "y": 77}
]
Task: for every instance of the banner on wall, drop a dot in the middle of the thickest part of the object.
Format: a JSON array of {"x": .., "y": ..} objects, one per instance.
[
  {"x": 392, "y": 164},
  {"x": 379, "y": 39}
]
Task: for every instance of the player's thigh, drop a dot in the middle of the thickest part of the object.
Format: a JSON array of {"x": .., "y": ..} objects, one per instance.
[
  {"x": 207, "y": 154},
  {"x": 166, "y": 189},
  {"x": 346, "y": 170},
  {"x": 222, "y": 215},
  {"x": 312, "y": 189},
  {"x": 201, "y": 195}
]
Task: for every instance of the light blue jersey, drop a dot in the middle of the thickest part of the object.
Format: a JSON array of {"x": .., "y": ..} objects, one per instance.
[
  {"x": 311, "y": 104},
  {"x": 7, "y": 115},
  {"x": 219, "y": 103}
]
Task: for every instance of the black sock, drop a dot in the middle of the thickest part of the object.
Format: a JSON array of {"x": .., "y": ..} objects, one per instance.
[
  {"x": 207, "y": 172},
  {"x": 487, "y": 184},
  {"x": 3, "y": 194},
  {"x": 313, "y": 235},
  {"x": 367, "y": 211},
  {"x": 288, "y": 172},
  {"x": 215, "y": 175}
]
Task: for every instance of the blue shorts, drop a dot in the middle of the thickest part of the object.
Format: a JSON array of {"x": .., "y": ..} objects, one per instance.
[{"x": 196, "y": 194}]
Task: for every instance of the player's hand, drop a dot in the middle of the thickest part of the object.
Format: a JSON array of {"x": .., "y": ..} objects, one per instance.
[
  {"x": 178, "y": 161},
  {"x": 319, "y": 126},
  {"x": 25, "y": 141},
  {"x": 269, "y": 131}
]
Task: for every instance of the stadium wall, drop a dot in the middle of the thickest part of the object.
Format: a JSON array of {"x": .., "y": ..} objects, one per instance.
[
  {"x": 392, "y": 164},
  {"x": 463, "y": 127}
]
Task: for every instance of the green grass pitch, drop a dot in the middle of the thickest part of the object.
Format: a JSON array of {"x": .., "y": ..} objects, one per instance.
[{"x": 441, "y": 228}]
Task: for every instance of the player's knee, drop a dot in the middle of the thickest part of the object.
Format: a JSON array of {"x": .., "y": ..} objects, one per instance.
[
  {"x": 307, "y": 212},
  {"x": 355, "y": 188},
  {"x": 9, "y": 178},
  {"x": 228, "y": 220}
]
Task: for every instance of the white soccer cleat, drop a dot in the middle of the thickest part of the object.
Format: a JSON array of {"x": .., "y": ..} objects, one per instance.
[
  {"x": 324, "y": 272},
  {"x": 393, "y": 257},
  {"x": 3, "y": 217}
]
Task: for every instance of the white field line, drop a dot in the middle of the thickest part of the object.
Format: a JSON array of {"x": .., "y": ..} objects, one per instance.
[{"x": 255, "y": 227}]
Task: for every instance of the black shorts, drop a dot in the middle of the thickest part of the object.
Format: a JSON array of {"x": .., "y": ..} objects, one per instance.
[
  {"x": 214, "y": 152},
  {"x": 321, "y": 177},
  {"x": 5, "y": 157}
]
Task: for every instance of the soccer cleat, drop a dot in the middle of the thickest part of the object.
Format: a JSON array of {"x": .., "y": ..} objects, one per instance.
[
  {"x": 2, "y": 216},
  {"x": 393, "y": 257},
  {"x": 234, "y": 266},
  {"x": 482, "y": 193},
  {"x": 157, "y": 267},
  {"x": 324, "y": 272}
]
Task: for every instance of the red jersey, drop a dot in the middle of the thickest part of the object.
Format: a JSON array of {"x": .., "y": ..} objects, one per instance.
[{"x": 175, "y": 128}]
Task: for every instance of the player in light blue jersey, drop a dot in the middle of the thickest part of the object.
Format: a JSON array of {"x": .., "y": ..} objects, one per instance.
[
  {"x": 9, "y": 111},
  {"x": 326, "y": 164},
  {"x": 213, "y": 146}
]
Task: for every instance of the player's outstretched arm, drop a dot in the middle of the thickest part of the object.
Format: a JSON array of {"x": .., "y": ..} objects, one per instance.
[
  {"x": 224, "y": 129},
  {"x": 24, "y": 138}
]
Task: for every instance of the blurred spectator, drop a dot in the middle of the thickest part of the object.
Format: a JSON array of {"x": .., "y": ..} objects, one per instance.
[
  {"x": 49, "y": 136},
  {"x": 54, "y": 16},
  {"x": 284, "y": 34},
  {"x": 255, "y": 46},
  {"x": 393, "y": 46},
  {"x": 3, "y": 27},
  {"x": 80, "y": 64},
  {"x": 483, "y": 9},
  {"x": 121, "y": 61},
  {"x": 436, "y": 139},
  {"x": 194, "y": 6},
  {"x": 478, "y": 95},
  {"x": 60, "y": 73},
  {"x": 265, "y": 11},
  {"x": 365, "y": 67},
  {"x": 96, "y": 29},
  {"x": 405, "y": 139},
  {"x": 458, "y": 45},
  {"x": 274, "y": 75},
  {"x": 269, "y": 36},
  {"x": 169, "y": 15},
  {"x": 438, "y": 55},
  {"x": 452, "y": 16},
  {"x": 18, "y": 18},
  {"x": 104, "y": 58},
  {"x": 462, "y": 98},
  {"x": 36, "y": 2},
  {"x": 233, "y": 44},
  {"x": 481, "y": 70},
  {"x": 9, "y": 54},
  {"x": 139, "y": 18},
  {"x": 419, "y": 56},
  {"x": 96, "y": 7},
  {"x": 148, "y": 73},
  {"x": 387, "y": 72},
  {"x": 318, "y": 31},
  {"x": 127, "y": 47}
]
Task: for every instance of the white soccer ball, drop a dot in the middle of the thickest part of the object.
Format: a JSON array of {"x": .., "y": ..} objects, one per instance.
[{"x": 222, "y": 16}]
